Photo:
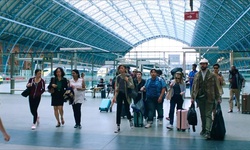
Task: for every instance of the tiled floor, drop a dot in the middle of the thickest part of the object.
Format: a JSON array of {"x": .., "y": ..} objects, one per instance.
[{"x": 98, "y": 129}]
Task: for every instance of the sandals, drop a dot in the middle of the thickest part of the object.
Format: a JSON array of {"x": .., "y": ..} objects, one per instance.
[{"x": 58, "y": 124}]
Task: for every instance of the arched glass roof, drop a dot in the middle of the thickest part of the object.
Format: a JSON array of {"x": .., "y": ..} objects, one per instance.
[
  {"x": 135, "y": 21},
  {"x": 115, "y": 27}
]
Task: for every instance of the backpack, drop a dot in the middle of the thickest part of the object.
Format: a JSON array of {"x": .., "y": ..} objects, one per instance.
[{"x": 113, "y": 83}]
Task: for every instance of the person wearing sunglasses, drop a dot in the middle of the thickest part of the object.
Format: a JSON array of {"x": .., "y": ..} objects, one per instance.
[{"x": 177, "y": 96}]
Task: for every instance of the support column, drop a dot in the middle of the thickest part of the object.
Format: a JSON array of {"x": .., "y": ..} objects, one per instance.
[
  {"x": 75, "y": 60},
  {"x": 12, "y": 79},
  {"x": 184, "y": 63},
  {"x": 231, "y": 55},
  {"x": 92, "y": 75}
]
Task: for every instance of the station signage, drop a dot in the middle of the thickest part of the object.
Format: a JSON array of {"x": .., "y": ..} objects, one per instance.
[{"x": 193, "y": 15}]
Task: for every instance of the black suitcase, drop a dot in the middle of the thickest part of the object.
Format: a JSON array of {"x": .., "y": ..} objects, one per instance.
[
  {"x": 138, "y": 119},
  {"x": 103, "y": 93},
  {"x": 245, "y": 104}
]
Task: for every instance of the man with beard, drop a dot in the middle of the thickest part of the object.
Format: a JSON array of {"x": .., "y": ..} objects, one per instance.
[
  {"x": 205, "y": 91},
  {"x": 236, "y": 82}
]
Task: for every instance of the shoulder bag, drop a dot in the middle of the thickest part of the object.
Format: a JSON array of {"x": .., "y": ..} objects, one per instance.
[{"x": 51, "y": 89}]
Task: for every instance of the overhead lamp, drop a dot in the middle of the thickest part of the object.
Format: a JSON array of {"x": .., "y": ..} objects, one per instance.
[
  {"x": 213, "y": 47},
  {"x": 76, "y": 49}
]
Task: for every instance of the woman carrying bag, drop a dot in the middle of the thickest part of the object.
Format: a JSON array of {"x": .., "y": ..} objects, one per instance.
[
  {"x": 57, "y": 87},
  {"x": 37, "y": 87},
  {"x": 177, "y": 96}
]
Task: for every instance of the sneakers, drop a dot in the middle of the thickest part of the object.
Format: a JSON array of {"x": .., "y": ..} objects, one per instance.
[
  {"x": 202, "y": 133},
  {"x": 230, "y": 111},
  {"x": 207, "y": 136},
  {"x": 33, "y": 127},
  {"x": 148, "y": 125},
  {"x": 170, "y": 127},
  {"x": 118, "y": 129},
  {"x": 160, "y": 122},
  {"x": 131, "y": 124}
]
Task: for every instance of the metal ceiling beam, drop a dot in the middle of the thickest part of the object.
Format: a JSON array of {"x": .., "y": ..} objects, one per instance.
[
  {"x": 93, "y": 23},
  {"x": 54, "y": 34},
  {"x": 236, "y": 21}
]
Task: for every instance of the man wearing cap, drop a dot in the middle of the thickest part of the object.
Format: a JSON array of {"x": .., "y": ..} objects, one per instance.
[
  {"x": 205, "y": 91},
  {"x": 191, "y": 76}
]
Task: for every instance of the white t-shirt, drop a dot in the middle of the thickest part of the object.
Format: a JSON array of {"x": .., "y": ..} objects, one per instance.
[{"x": 79, "y": 95}]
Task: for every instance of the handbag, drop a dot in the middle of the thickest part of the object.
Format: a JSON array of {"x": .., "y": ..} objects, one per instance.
[
  {"x": 192, "y": 116},
  {"x": 51, "y": 90},
  {"x": 26, "y": 92},
  {"x": 139, "y": 106},
  {"x": 169, "y": 94},
  {"x": 132, "y": 93},
  {"x": 69, "y": 95},
  {"x": 218, "y": 130}
]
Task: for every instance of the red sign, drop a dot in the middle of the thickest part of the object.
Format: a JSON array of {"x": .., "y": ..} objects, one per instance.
[{"x": 193, "y": 15}]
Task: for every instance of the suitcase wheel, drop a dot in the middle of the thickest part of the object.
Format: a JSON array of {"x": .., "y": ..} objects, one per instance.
[{"x": 183, "y": 130}]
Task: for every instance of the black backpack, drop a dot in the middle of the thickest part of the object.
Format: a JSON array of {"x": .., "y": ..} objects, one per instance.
[{"x": 113, "y": 82}]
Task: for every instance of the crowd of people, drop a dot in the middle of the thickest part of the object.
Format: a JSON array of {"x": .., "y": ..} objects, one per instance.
[{"x": 206, "y": 90}]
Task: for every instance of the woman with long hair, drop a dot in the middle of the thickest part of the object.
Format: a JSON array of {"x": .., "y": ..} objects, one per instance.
[
  {"x": 78, "y": 86},
  {"x": 37, "y": 87},
  {"x": 122, "y": 83},
  {"x": 59, "y": 84},
  {"x": 177, "y": 96}
]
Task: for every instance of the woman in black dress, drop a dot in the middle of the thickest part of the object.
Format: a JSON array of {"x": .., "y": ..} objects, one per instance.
[{"x": 59, "y": 84}]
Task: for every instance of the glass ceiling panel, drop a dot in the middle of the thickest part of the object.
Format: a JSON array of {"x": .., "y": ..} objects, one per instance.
[{"x": 126, "y": 18}]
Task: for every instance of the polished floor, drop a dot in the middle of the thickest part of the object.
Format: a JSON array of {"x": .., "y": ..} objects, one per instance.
[{"x": 97, "y": 131}]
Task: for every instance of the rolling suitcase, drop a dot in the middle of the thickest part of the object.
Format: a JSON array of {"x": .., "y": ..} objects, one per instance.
[
  {"x": 182, "y": 122},
  {"x": 105, "y": 104},
  {"x": 103, "y": 93},
  {"x": 138, "y": 119},
  {"x": 245, "y": 104}
]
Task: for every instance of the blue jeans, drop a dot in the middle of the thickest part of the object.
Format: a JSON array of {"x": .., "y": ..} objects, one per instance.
[
  {"x": 176, "y": 99},
  {"x": 152, "y": 105}
]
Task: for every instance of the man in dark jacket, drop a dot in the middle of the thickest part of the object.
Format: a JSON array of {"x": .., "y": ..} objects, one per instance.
[
  {"x": 205, "y": 91},
  {"x": 236, "y": 82}
]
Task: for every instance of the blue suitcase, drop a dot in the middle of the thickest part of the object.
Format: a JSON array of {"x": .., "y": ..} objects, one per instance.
[{"x": 105, "y": 104}]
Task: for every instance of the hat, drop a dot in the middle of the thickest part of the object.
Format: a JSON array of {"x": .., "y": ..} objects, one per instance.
[
  {"x": 135, "y": 70},
  {"x": 204, "y": 60}
]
